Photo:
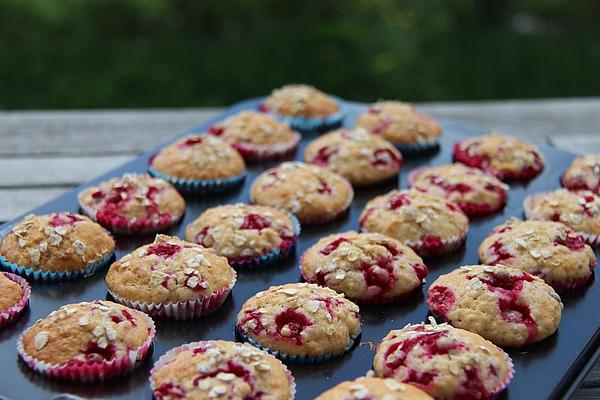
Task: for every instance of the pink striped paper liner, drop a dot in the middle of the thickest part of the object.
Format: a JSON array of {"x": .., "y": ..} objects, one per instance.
[{"x": 11, "y": 314}]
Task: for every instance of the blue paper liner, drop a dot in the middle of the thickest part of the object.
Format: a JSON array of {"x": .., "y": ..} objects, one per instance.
[
  {"x": 306, "y": 125},
  {"x": 200, "y": 186},
  {"x": 417, "y": 148}
]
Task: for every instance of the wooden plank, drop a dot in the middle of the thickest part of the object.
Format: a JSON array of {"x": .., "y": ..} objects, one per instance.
[
  {"x": 586, "y": 394},
  {"x": 14, "y": 202}
]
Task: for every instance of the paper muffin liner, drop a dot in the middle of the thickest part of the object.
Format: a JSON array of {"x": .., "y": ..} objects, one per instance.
[
  {"x": 14, "y": 312},
  {"x": 182, "y": 309},
  {"x": 200, "y": 186},
  {"x": 328, "y": 217},
  {"x": 49, "y": 276},
  {"x": 309, "y": 125},
  {"x": 91, "y": 371},
  {"x": 295, "y": 358},
  {"x": 448, "y": 245},
  {"x": 170, "y": 355},
  {"x": 251, "y": 151},
  {"x": 417, "y": 148}
]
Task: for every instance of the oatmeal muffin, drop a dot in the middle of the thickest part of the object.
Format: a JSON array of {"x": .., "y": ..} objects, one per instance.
[
  {"x": 579, "y": 211},
  {"x": 446, "y": 362},
  {"x": 357, "y": 155},
  {"x": 171, "y": 278},
  {"x": 504, "y": 305},
  {"x": 14, "y": 297},
  {"x": 550, "y": 250},
  {"x": 133, "y": 204},
  {"x": 402, "y": 124},
  {"x": 56, "y": 246},
  {"x": 583, "y": 174},
  {"x": 247, "y": 235},
  {"x": 256, "y": 135},
  {"x": 87, "y": 341},
  {"x": 474, "y": 191},
  {"x": 200, "y": 164},
  {"x": 374, "y": 389},
  {"x": 299, "y": 322},
  {"x": 314, "y": 194},
  {"x": 428, "y": 224},
  {"x": 505, "y": 157},
  {"x": 304, "y": 107},
  {"x": 363, "y": 266},
  {"x": 220, "y": 369}
]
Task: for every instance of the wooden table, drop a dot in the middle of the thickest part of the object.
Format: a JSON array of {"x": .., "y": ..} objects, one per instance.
[{"x": 45, "y": 153}]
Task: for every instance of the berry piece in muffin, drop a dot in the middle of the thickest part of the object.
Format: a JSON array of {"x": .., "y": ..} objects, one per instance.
[
  {"x": 579, "y": 211},
  {"x": 374, "y": 389},
  {"x": 14, "y": 297},
  {"x": 430, "y": 225},
  {"x": 445, "y": 362},
  {"x": 505, "y": 157},
  {"x": 357, "y": 155},
  {"x": 314, "y": 194},
  {"x": 171, "y": 278},
  {"x": 220, "y": 369},
  {"x": 248, "y": 235},
  {"x": 56, "y": 246},
  {"x": 133, "y": 204},
  {"x": 364, "y": 266},
  {"x": 299, "y": 322},
  {"x": 474, "y": 191},
  {"x": 256, "y": 135},
  {"x": 547, "y": 249},
  {"x": 504, "y": 305},
  {"x": 583, "y": 174},
  {"x": 87, "y": 341}
]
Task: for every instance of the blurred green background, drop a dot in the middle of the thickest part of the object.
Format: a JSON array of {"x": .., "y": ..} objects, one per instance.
[{"x": 161, "y": 53}]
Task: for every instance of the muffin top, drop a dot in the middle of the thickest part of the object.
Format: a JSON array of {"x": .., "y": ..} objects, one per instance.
[
  {"x": 57, "y": 242},
  {"x": 546, "y": 249},
  {"x": 100, "y": 331},
  {"x": 445, "y": 362},
  {"x": 363, "y": 266},
  {"x": 374, "y": 389},
  {"x": 169, "y": 270},
  {"x": 474, "y": 191},
  {"x": 579, "y": 211},
  {"x": 506, "y": 157},
  {"x": 199, "y": 157},
  {"x": 504, "y": 305},
  {"x": 414, "y": 218},
  {"x": 11, "y": 291},
  {"x": 583, "y": 174},
  {"x": 220, "y": 369},
  {"x": 400, "y": 123},
  {"x": 133, "y": 201},
  {"x": 300, "y": 319},
  {"x": 357, "y": 155},
  {"x": 242, "y": 231},
  {"x": 300, "y": 101},
  {"x": 312, "y": 193}
]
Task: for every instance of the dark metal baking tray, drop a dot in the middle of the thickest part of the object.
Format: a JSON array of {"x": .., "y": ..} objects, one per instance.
[{"x": 548, "y": 370}]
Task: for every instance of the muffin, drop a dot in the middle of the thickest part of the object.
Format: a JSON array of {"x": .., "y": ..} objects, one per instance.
[
  {"x": 304, "y": 108},
  {"x": 87, "y": 342},
  {"x": 256, "y": 136},
  {"x": 504, "y": 305},
  {"x": 314, "y": 194},
  {"x": 505, "y": 157},
  {"x": 579, "y": 211},
  {"x": 583, "y": 174},
  {"x": 446, "y": 362},
  {"x": 56, "y": 246},
  {"x": 363, "y": 266},
  {"x": 428, "y": 224},
  {"x": 249, "y": 236},
  {"x": 550, "y": 250},
  {"x": 299, "y": 322},
  {"x": 220, "y": 369},
  {"x": 374, "y": 389},
  {"x": 133, "y": 204},
  {"x": 172, "y": 279},
  {"x": 14, "y": 298},
  {"x": 402, "y": 124},
  {"x": 357, "y": 155},
  {"x": 475, "y": 192}
]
